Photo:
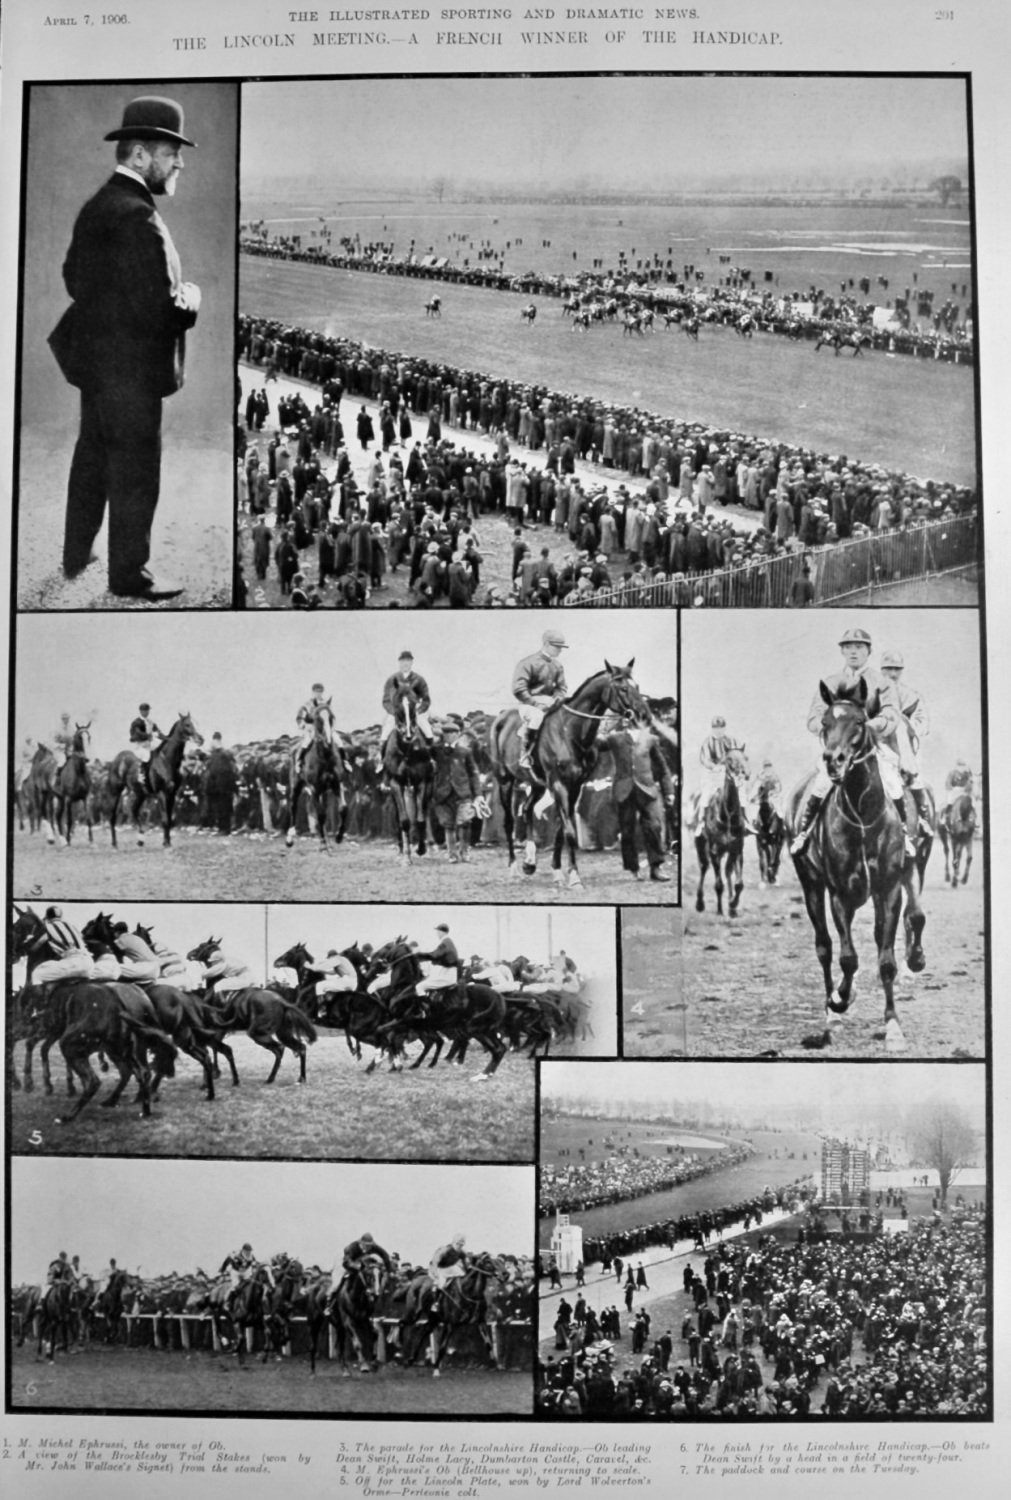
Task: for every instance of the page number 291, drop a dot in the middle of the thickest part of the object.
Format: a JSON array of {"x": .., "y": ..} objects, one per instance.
[{"x": 944, "y": 15}]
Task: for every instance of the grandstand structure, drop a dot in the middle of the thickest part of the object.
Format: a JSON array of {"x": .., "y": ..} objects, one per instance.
[{"x": 845, "y": 1172}]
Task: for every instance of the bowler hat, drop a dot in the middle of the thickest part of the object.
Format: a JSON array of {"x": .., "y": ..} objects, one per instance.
[{"x": 151, "y": 118}]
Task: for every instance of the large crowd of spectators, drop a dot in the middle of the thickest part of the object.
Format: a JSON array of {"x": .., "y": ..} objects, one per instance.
[
  {"x": 627, "y": 1174},
  {"x": 886, "y": 1326},
  {"x": 663, "y": 537}
]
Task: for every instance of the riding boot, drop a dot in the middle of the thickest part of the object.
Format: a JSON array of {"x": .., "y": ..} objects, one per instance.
[
  {"x": 920, "y": 798},
  {"x": 807, "y": 821},
  {"x": 900, "y": 808}
]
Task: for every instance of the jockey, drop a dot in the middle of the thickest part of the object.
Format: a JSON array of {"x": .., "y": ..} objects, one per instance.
[
  {"x": 538, "y": 683},
  {"x": 767, "y": 784},
  {"x": 241, "y": 1264},
  {"x": 338, "y": 975},
  {"x": 444, "y": 973},
  {"x": 142, "y": 734},
  {"x": 449, "y": 1262},
  {"x": 959, "y": 781},
  {"x": 63, "y": 739},
  {"x": 913, "y": 730},
  {"x": 305, "y": 720},
  {"x": 70, "y": 957},
  {"x": 405, "y": 678},
  {"x": 60, "y": 1270},
  {"x": 224, "y": 973},
  {"x": 715, "y": 748},
  {"x": 356, "y": 1254},
  {"x": 139, "y": 964},
  {"x": 856, "y": 649}
]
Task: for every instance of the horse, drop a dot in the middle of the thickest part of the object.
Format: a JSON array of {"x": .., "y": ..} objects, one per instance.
[
  {"x": 267, "y": 1019},
  {"x": 690, "y": 326},
  {"x": 41, "y": 790},
  {"x": 745, "y": 326},
  {"x": 633, "y": 323},
  {"x": 72, "y": 783},
  {"x": 856, "y": 852},
  {"x": 468, "y": 1012},
  {"x": 719, "y": 841},
  {"x": 770, "y": 831},
  {"x": 957, "y": 830},
  {"x": 180, "y": 1015},
  {"x": 433, "y": 1316},
  {"x": 109, "y": 1304},
  {"x": 672, "y": 319},
  {"x": 433, "y": 307},
  {"x": 56, "y": 1313},
  {"x": 529, "y": 313},
  {"x": 562, "y": 759},
  {"x": 581, "y": 319},
  {"x": 318, "y": 771},
  {"x": 160, "y": 777},
  {"x": 838, "y": 339},
  {"x": 407, "y": 764},
  {"x": 356, "y": 1304},
  {"x": 245, "y": 1310}
]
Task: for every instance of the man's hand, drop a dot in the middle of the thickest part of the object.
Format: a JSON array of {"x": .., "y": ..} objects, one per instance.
[{"x": 188, "y": 297}]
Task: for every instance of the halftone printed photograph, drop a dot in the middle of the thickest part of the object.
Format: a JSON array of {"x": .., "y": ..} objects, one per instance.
[
  {"x": 588, "y": 372},
  {"x": 756, "y": 1242}
]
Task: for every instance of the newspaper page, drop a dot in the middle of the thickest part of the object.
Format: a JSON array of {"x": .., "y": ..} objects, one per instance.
[{"x": 453, "y": 1049}]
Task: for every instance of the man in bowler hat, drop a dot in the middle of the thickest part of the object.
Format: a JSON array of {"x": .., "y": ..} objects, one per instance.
[{"x": 122, "y": 343}]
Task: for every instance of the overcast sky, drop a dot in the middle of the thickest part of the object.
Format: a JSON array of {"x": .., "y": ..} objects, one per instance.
[
  {"x": 840, "y": 1093},
  {"x": 163, "y": 1216},
  {"x": 246, "y": 675},
  {"x": 649, "y": 132},
  {"x": 761, "y": 669}
]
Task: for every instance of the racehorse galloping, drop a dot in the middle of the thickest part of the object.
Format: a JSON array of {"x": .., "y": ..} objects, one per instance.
[
  {"x": 357, "y": 1302},
  {"x": 320, "y": 773},
  {"x": 529, "y": 313},
  {"x": 161, "y": 777},
  {"x": 691, "y": 327},
  {"x": 957, "y": 830},
  {"x": 408, "y": 767},
  {"x": 72, "y": 784},
  {"x": 270, "y": 1021},
  {"x": 433, "y": 307},
  {"x": 720, "y": 840},
  {"x": 562, "y": 759},
  {"x": 770, "y": 832},
  {"x": 435, "y": 1316},
  {"x": 854, "y": 853},
  {"x": 469, "y": 1012}
]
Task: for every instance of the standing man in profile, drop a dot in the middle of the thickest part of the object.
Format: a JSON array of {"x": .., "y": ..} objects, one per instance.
[{"x": 122, "y": 343}]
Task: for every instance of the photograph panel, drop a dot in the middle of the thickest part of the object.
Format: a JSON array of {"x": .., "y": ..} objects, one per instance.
[
  {"x": 758, "y": 1241},
  {"x": 577, "y": 374},
  {"x": 296, "y": 1289},
  {"x": 420, "y": 769},
  {"x": 348, "y": 1032},
  {"x": 836, "y": 775},
  {"x": 125, "y": 446}
]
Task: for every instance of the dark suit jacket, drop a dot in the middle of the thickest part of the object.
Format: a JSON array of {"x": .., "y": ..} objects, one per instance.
[
  {"x": 637, "y": 763},
  {"x": 126, "y": 327}
]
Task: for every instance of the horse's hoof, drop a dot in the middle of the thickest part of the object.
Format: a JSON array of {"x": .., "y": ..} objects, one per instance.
[
  {"x": 700, "y": 905},
  {"x": 575, "y": 881},
  {"x": 480, "y": 1078},
  {"x": 529, "y": 869},
  {"x": 894, "y": 1039},
  {"x": 140, "y": 843},
  {"x": 435, "y": 1374},
  {"x": 917, "y": 962}
]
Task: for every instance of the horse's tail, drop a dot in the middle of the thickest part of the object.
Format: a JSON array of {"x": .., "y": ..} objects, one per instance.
[
  {"x": 163, "y": 1049},
  {"x": 299, "y": 1022}
]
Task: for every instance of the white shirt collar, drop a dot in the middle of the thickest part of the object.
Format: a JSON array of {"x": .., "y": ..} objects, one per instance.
[{"x": 129, "y": 172}]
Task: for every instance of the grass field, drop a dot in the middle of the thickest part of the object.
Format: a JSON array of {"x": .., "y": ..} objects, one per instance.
[
  {"x": 340, "y": 1113},
  {"x": 908, "y": 414}
]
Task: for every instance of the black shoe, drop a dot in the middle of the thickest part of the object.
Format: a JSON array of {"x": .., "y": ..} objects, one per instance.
[
  {"x": 145, "y": 586},
  {"x": 74, "y": 568}
]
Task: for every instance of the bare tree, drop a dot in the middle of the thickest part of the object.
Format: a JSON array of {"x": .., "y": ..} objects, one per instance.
[{"x": 941, "y": 1135}]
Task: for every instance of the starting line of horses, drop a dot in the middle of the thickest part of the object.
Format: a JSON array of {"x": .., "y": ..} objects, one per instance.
[
  {"x": 141, "y": 1029},
  {"x": 855, "y": 853}
]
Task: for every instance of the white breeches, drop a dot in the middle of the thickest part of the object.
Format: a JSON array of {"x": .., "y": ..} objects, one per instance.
[
  {"x": 335, "y": 984},
  {"x": 440, "y": 978},
  {"x": 73, "y": 965}
]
